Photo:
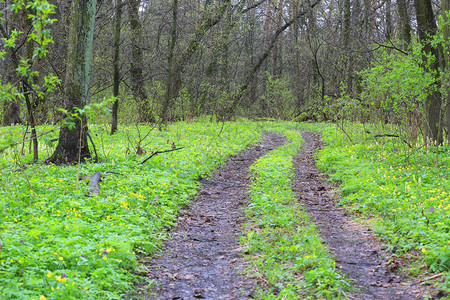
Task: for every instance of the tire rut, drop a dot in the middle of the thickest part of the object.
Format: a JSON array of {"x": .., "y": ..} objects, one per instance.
[
  {"x": 353, "y": 246},
  {"x": 202, "y": 259}
]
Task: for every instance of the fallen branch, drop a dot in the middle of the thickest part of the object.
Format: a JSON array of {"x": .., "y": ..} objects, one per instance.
[
  {"x": 386, "y": 135},
  {"x": 392, "y": 135},
  {"x": 94, "y": 188},
  {"x": 429, "y": 278},
  {"x": 159, "y": 152}
]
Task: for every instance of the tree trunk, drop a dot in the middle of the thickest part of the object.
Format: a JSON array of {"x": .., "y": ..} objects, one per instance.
[
  {"x": 405, "y": 24},
  {"x": 227, "y": 112},
  {"x": 347, "y": 47},
  {"x": 137, "y": 62},
  {"x": 388, "y": 20},
  {"x": 169, "y": 78},
  {"x": 427, "y": 28},
  {"x": 116, "y": 61},
  {"x": 192, "y": 46},
  {"x": 72, "y": 144},
  {"x": 445, "y": 4},
  {"x": 11, "y": 114}
]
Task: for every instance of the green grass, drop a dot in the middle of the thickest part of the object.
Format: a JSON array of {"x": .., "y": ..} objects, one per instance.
[
  {"x": 59, "y": 244},
  {"x": 284, "y": 248},
  {"x": 400, "y": 190}
]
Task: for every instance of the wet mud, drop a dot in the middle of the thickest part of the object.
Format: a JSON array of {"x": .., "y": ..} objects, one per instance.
[
  {"x": 202, "y": 259},
  {"x": 356, "y": 250}
]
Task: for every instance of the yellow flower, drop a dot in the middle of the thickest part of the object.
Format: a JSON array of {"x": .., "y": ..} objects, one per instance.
[
  {"x": 58, "y": 278},
  {"x": 49, "y": 274},
  {"x": 61, "y": 258},
  {"x": 104, "y": 257},
  {"x": 42, "y": 298},
  {"x": 423, "y": 250},
  {"x": 63, "y": 279}
]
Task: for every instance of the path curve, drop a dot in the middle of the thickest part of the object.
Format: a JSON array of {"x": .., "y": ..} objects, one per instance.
[
  {"x": 202, "y": 258},
  {"x": 353, "y": 246}
]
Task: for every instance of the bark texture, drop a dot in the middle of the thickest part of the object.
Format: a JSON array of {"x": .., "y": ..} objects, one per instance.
[
  {"x": 137, "y": 63},
  {"x": 116, "y": 66},
  {"x": 72, "y": 144},
  {"x": 427, "y": 28}
]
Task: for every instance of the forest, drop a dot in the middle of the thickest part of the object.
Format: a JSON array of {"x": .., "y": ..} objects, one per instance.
[{"x": 224, "y": 149}]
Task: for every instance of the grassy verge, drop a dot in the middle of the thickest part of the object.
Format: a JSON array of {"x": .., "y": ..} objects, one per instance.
[
  {"x": 57, "y": 243},
  {"x": 284, "y": 248},
  {"x": 398, "y": 190}
]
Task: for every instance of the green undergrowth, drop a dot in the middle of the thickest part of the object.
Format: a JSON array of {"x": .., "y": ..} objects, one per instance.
[
  {"x": 399, "y": 189},
  {"x": 57, "y": 243},
  {"x": 282, "y": 244}
]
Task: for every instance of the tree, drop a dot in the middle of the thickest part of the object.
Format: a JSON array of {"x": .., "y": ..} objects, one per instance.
[
  {"x": 404, "y": 23},
  {"x": 445, "y": 11},
  {"x": 72, "y": 143},
  {"x": 427, "y": 28},
  {"x": 169, "y": 76},
  {"x": 137, "y": 63},
  {"x": 116, "y": 71},
  {"x": 209, "y": 20}
]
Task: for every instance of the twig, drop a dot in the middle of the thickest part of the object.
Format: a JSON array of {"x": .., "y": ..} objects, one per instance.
[
  {"x": 430, "y": 278},
  {"x": 392, "y": 135},
  {"x": 159, "y": 152},
  {"x": 93, "y": 146},
  {"x": 109, "y": 172},
  {"x": 343, "y": 130}
]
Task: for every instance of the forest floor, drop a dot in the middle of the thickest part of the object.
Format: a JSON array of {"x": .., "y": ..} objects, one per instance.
[{"x": 203, "y": 258}]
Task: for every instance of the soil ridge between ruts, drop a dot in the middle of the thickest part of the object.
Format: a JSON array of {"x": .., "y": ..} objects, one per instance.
[
  {"x": 202, "y": 258},
  {"x": 354, "y": 247}
]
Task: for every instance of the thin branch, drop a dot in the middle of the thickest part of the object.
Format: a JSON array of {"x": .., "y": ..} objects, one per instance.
[{"x": 159, "y": 152}]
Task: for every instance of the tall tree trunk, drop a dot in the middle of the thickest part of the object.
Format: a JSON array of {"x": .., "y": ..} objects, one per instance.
[
  {"x": 169, "y": 77},
  {"x": 236, "y": 97},
  {"x": 265, "y": 67},
  {"x": 225, "y": 40},
  {"x": 388, "y": 20},
  {"x": 427, "y": 28},
  {"x": 405, "y": 24},
  {"x": 116, "y": 65},
  {"x": 367, "y": 16},
  {"x": 445, "y": 4},
  {"x": 9, "y": 63},
  {"x": 137, "y": 62},
  {"x": 193, "y": 45},
  {"x": 72, "y": 144},
  {"x": 347, "y": 47},
  {"x": 276, "y": 52}
]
